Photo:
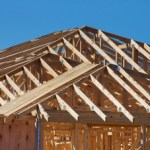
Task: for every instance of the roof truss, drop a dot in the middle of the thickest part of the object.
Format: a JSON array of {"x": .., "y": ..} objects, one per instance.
[{"x": 41, "y": 74}]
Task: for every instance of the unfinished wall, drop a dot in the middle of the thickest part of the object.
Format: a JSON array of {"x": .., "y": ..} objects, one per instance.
[
  {"x": 19, "y": 135},
  {"x": 67, "y": 136}
]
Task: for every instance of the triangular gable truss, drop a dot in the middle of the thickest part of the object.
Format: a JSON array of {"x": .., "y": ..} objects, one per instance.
[{"x": 75, "y": 52}]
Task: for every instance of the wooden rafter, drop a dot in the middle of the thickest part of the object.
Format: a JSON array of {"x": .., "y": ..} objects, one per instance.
[
  {"x": 2, "y": 102},
  {"x": 61, "y": 58},
  {"x": 46, "y": 88},
  {"x": 74, "y": 50},
  {"x": 48, "y": 68},
  {"x": 43, "y": 112},
  {"x": 133, "y": 93},
  {"x": 13, "y": 84},
  {"x": 65, "y": 106},
  {"x": 6, "y": 91},
  {"x": 120, "y": 107},
  {"x": 118, "y": 50},
  {"x": 120, "y": 69},
  {"x": 93, "y": 107},
  {"x": 75, "y": 47},
  {"x": 147, "y": 47},
  {"x": 140, "y": 49},
  {"x": 31, "y": 76},
  {"x": 88, "y": 87}
]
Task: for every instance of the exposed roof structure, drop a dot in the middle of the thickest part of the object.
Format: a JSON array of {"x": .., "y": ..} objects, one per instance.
[{"x": 78, "y": 75}]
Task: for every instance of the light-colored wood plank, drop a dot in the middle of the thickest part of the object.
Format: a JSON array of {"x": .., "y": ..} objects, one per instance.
[
  {"x": 60, "y": 57},
  {"x": 74, "y": 50},
  {"x": 43, "y": 112},
  {"x": 127, "y": 87},
  {"x": 6, "y": 91},
  {"x": 120, "y": 69},
  {"x": 31, "y": 76},
  {"x": 35, "y": 94},
  {"x": 120, "y": 107},
  {"x": 140, "y": 49},
  {"x": 123, "y": 46},
  {"x": 14, "y": 85},
  {"x": 124, "y": 55},
  {"x": 65, "y": 106},
  {"x": 2, "y": 102},
  {"x": 133, "y": 82},
  {"x": 147, "y": 47},
  {"x": 48, "y": 68},
  {"x": 92, "y": 106}
]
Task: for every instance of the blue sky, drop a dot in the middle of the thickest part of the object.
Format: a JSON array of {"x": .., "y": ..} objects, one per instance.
[{"x": 22, "y": 20}]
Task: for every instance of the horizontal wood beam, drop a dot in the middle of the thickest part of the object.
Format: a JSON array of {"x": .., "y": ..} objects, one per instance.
[
  {"x": 123, "y": 46},
  {"x": 113, "y": 118}
]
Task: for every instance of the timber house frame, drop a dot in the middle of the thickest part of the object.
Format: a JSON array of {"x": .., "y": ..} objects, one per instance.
[{"x": 78, "y": 89}]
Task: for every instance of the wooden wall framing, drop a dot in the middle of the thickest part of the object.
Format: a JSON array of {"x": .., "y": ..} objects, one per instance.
[{"x": 72, "y": 136}]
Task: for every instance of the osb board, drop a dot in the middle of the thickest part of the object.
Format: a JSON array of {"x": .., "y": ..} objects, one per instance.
[{"x": 18, "y": 136}]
